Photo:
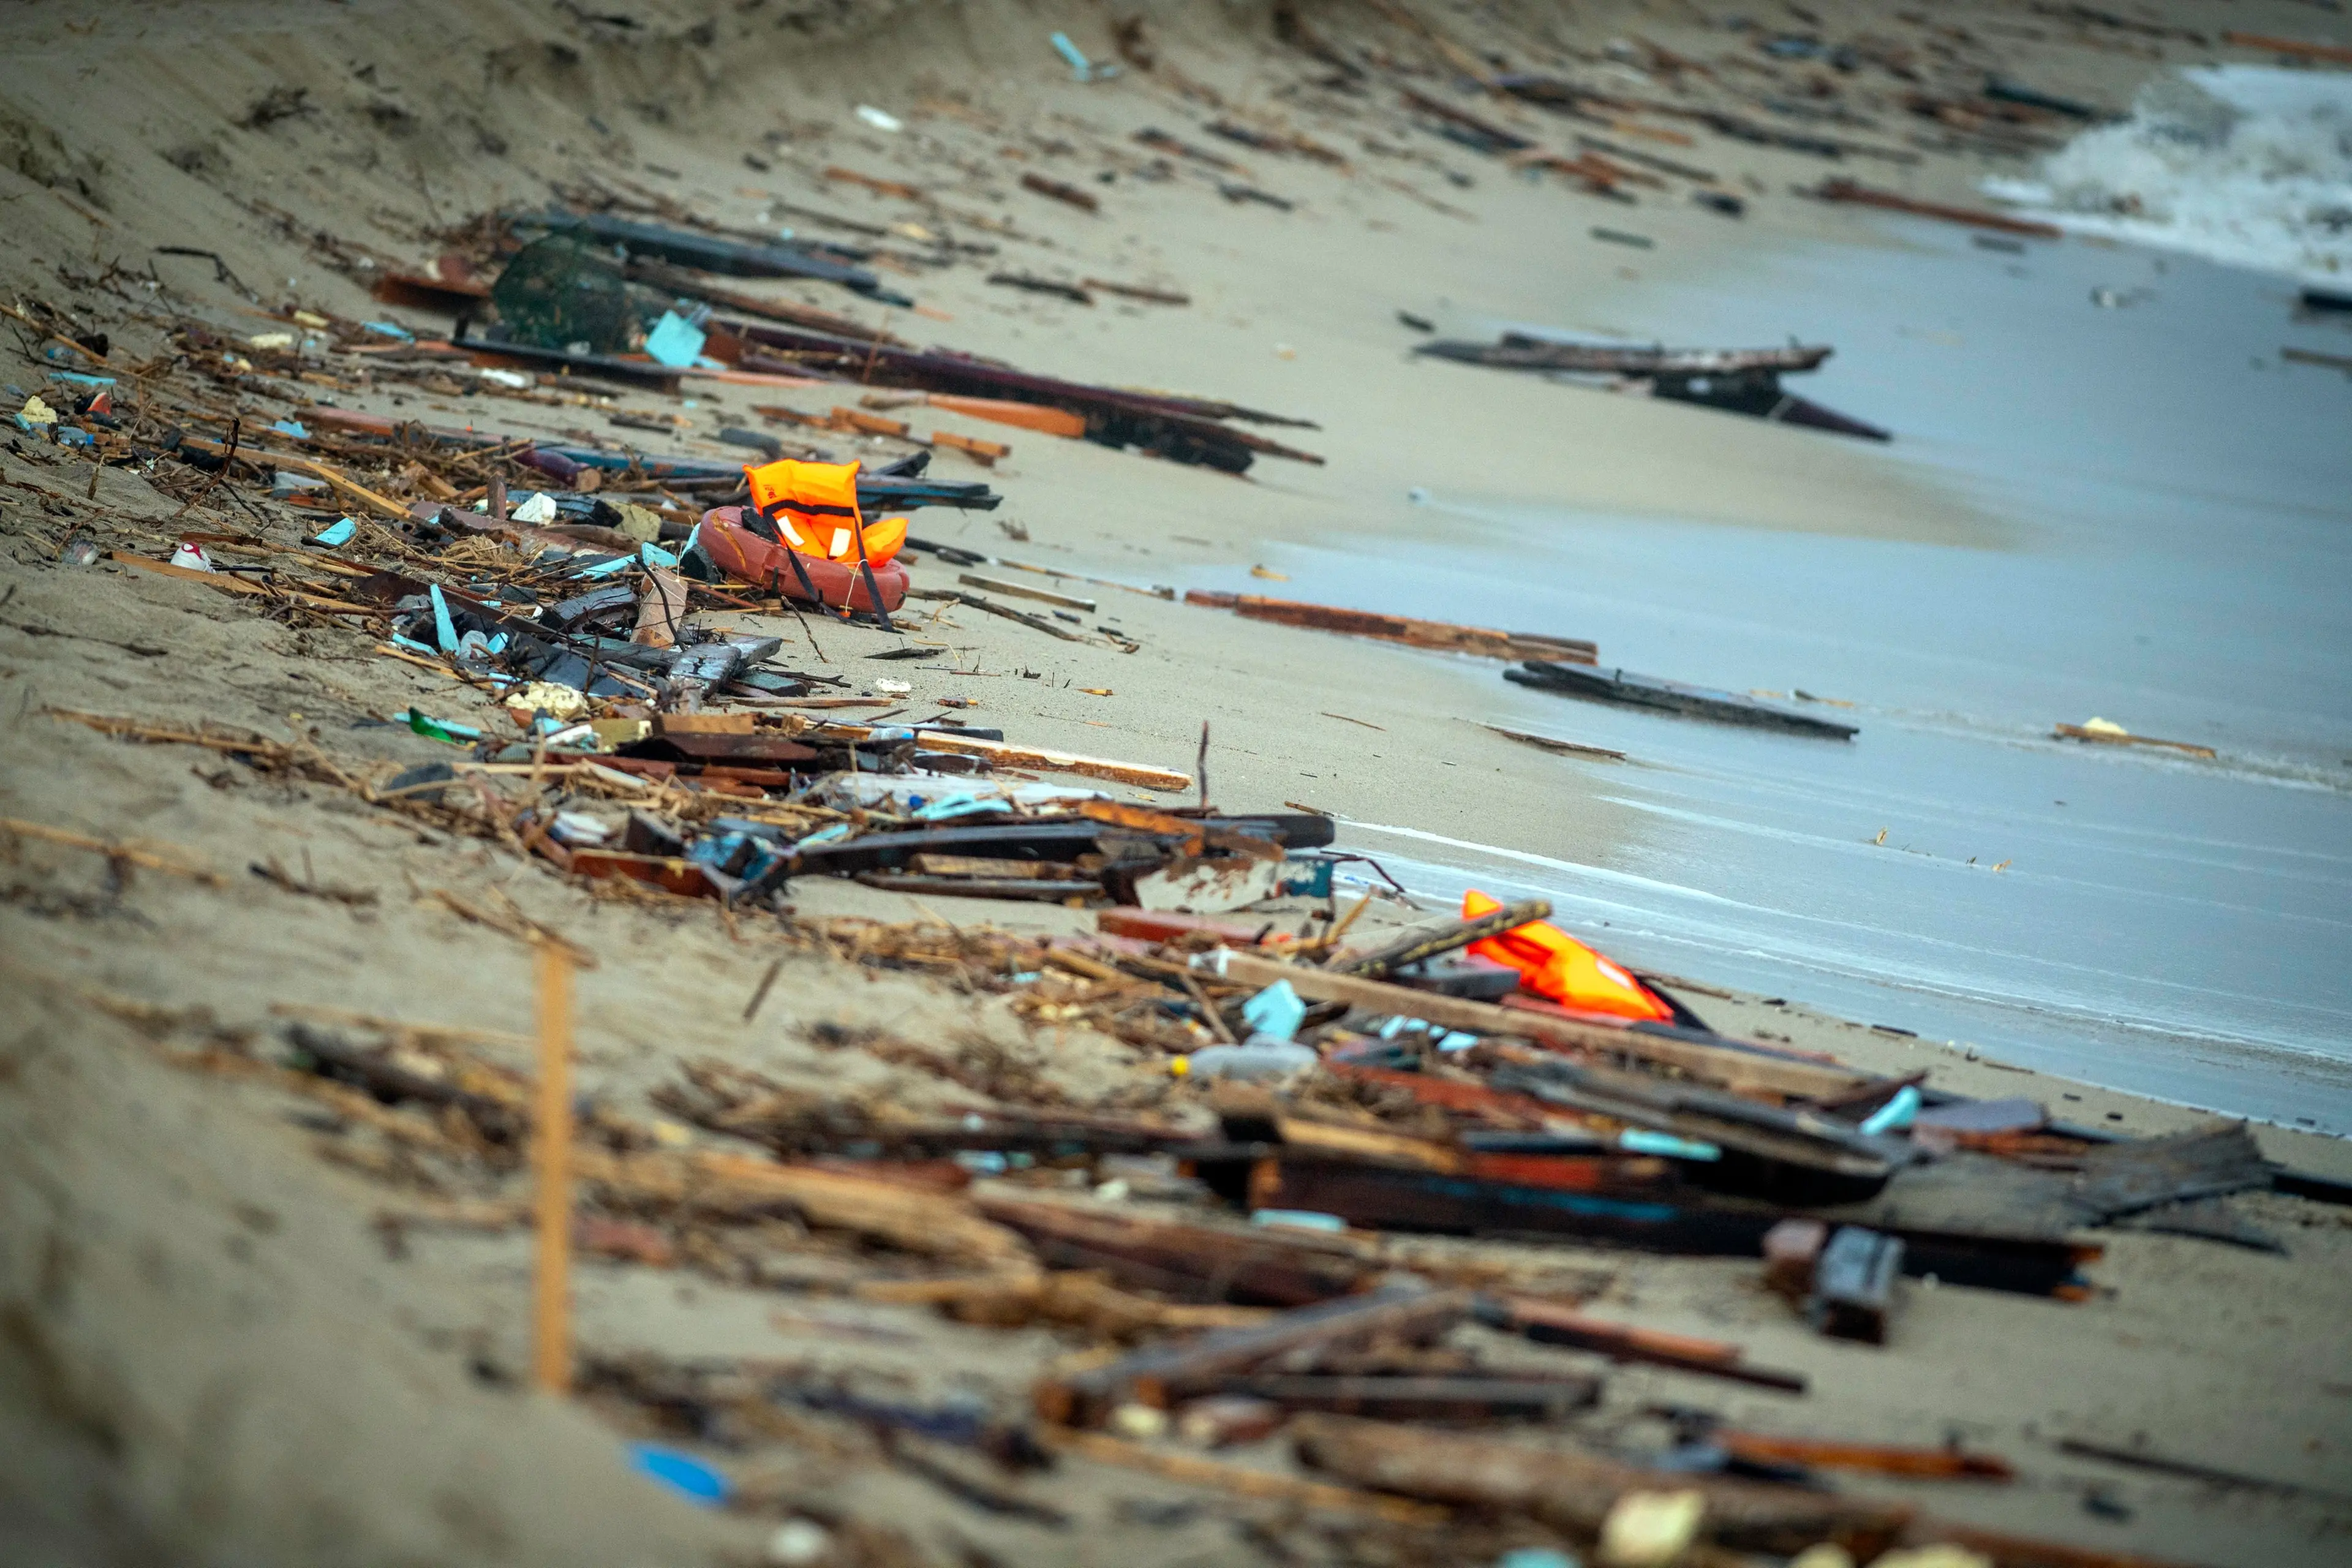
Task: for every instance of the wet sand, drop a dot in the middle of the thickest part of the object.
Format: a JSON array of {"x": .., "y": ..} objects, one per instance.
[{"x": 211, "y": 1356}]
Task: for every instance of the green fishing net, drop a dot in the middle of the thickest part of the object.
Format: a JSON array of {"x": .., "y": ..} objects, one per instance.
[{"x": 568, "y": 293}]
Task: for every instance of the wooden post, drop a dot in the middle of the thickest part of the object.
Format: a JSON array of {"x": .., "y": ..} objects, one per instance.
[{"x": 552, "y": 1284}]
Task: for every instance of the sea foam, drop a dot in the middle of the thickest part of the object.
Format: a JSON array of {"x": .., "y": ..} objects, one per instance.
[{"x": 2249, "y": 165}]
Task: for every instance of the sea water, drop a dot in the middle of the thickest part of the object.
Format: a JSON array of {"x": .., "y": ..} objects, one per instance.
[{"x": 2178, "y": 507}]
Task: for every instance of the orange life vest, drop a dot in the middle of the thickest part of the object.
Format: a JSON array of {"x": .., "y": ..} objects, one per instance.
[
  {"x": 814, "y": 508},
  {"x": 1554, "y": 964}
]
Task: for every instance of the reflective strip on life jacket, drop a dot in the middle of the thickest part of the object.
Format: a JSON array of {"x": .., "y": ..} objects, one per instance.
[
  {"x": 815, "y": 505},
  {"x": 1554, "y": 965}
]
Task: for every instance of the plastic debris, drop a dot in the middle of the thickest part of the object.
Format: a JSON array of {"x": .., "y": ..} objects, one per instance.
[
  {"x": 1274, "y": 1013},
  {"x": 681, "y": 1472}
]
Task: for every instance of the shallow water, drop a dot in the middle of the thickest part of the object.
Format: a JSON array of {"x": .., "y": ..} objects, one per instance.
[{"x": 2180, "y": 512}]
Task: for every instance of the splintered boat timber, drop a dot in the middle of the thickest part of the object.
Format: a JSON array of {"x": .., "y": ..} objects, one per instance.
[
  {"x": 1412, "y": 633},
  {"x": 1628, "y": 690}
]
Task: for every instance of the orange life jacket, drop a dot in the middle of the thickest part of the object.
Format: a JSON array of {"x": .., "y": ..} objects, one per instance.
[
  {"x": 815, "y": 508},
  {"x": 1554, "y": 964}
]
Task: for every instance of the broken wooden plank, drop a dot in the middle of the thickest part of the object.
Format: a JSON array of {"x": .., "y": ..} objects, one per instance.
[
  {"x": 1419, "y": 945},
  {"x": 1547, "y": 1322},
  {"x": 1575, "y": 1491},
  {"x": 1004, "y": 755},
  {"x": 1188, "y": 1262},
  {"x": 1164, "y": 1375},
  {"x": 2115, "y": 735},
  {"x": 1406, "y": 629},
  {"x": 1552, "y": 743},
  {"x": 1493, "y": 1397},
  {"x": 1023, "y": 590},
  {"x": 1844, "y": 190},
  {"x": 1242, "y": 1482},
  {"x": 1951, "y": 1464}
]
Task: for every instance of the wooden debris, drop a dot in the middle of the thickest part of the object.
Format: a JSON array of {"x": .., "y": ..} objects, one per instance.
[
  {"x": 1189, "y": 1468},
  {"x": 1403, "y": 629},
  {"x": 1061, "y": 190},
  {"x": 1853, "y": 1284},
  {"x": 1728, "y": 1066},
  {"x": 169, "y": 861},
  {"x": 1849, "y": 191},
  {"x": 2115, "y": 735},
  {"x": 1550, "y": 1323},
  {"x": 1164, "y": 1376},
  {"x": 1575, "y": 1491}
]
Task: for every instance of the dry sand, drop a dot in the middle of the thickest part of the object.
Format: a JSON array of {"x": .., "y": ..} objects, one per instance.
[{"x": 208, "y": 1356}]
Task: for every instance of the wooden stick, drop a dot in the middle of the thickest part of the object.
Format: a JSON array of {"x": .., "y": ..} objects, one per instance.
[
  {"x": 552, "y": 1152},
  {"x": 113, "y": 851},
  {"x": 1266, "y": 1484}
]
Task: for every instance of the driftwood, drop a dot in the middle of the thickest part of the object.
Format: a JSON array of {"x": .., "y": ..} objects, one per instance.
[
  {"x": 1574, "y": 1491},
  {"x": 1188, "y": 1262},
  {"x": 1404, "y": 629},
  {"x": 1164, "y": 1376},
  {"x": 1516, "y": 350}
]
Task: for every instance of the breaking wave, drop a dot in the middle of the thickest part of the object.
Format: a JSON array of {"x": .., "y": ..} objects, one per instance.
[{"x": 2250, "y": 165}]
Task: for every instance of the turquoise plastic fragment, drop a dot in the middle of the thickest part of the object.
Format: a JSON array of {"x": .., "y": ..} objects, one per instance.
[
  {"x": 675, "y": 340},
  {"x": 390, "y": 330},
  {"x": 445, "y": 630},
  {"x": 1275, "y": 1011},
  {"x": 607, "y": 568},
  {"x": 1896, "y": 1113},
  {"x": 1642, "y": 1141},
  {"x": 1300, "y": 1219},
  {"x": 653, "y": 555},
  {"x": 964, "y": 805},
  {"x": 291, "y": 427},
  {"x": 336, "y": 533}
]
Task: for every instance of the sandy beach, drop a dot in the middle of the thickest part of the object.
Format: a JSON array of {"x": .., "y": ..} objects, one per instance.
[{"x": 222, "y": 1346}]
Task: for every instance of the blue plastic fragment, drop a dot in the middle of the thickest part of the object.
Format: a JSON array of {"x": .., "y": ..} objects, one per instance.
[
  {"x": 653, "y": 555},
  {"x": 390, "y": 330},
  {"x": 336, "y": 533},
  {"x": 697, "y": 1481},
  {"x": 675, "y": 340},
  {"x": 1896, "y": 1113},
  {"x": 824, "y": 836},
  {"x": 411, "y": 643},
  {"x": 1459, "y": 1040},
  {"x": 445, "y": 630},
  {"x": 72, "y": 436},
  {"x": 1274, "y": 1012},
  {"x": 79, "y": 378},
  {"x": 606, "y": 568},
  {"x": 291, "y": 427},
  {"x": 1642, "y": 1141}
]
